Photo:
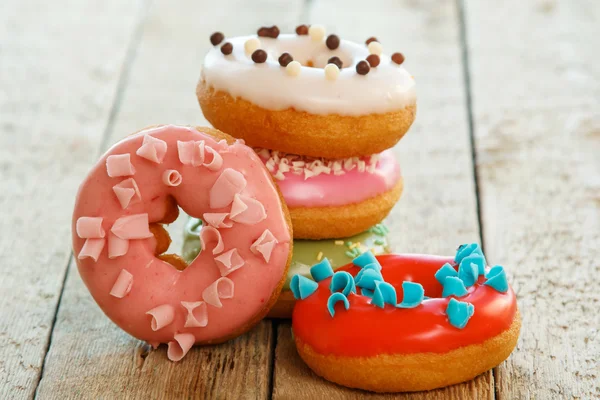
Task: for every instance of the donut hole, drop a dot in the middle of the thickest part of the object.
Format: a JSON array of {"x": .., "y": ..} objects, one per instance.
[{"x": 167, "y": 234}]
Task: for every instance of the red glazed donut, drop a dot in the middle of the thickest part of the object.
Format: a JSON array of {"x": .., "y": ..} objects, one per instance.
[
  {"x": 375, "y": 341},
  {"x": 231, "y": 285}
]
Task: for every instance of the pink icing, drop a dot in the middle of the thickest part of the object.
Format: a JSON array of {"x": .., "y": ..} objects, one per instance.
[
  {"x": 158, "y": 289},
  {"x": 336, "y": 190}
]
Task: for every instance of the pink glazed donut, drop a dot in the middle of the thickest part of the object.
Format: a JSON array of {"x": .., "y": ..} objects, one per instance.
[{"x": 246, "y": 240}]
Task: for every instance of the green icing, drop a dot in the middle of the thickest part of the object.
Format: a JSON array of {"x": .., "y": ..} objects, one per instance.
[{"x": 306, "y": 252}]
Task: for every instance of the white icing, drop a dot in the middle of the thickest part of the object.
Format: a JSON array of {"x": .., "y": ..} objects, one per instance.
[{"x": 389, "y": 87}]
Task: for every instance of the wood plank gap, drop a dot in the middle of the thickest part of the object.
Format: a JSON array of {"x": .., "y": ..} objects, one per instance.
[
  {"x": 274, "y": 329},
  {"x": 53, "y": 324},
  {"x": 132, "y": 49},
  {"x": 464, "y": 45},
  {"x": 122, "y": 83}
]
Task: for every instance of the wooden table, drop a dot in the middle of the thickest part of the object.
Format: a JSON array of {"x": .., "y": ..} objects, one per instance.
[{"x": 505, "y": 150}]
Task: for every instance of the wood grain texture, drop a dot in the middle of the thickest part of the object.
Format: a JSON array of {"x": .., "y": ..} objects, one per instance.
[
  {"x": 536, "y": 90},
  {"x": 58, "y": 79},
  {"x": 437, "y": 210},
  {"x": 92, "y": 358}
]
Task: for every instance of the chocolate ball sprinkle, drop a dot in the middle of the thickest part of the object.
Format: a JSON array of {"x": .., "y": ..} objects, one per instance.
[
  {"x": 336, "y": 61},
  {"x": 227, "y": 48},
  {"x": 373, "y": 60},
  {"x": 285, "y": 59},
  {"x": 259, "y": 56},
  {"x": 362, "y": 68},
  {"x": 398, "y": 58},
  {"x": 332, "y": 42},
  {"x": 302, "y": 30},
  {"x": 216, "y": 38},
  {"x": 272, "y": 32},
  {"x": 371, "y": 39}
]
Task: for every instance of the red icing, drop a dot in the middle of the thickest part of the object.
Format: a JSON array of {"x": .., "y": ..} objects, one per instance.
[{"x": 366, "y": 330}]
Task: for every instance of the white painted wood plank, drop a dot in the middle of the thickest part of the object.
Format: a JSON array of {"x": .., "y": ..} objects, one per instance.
[
  {"x": 437, "y": 210},
  {"x": 536, "y": 91},
  {"x": 92, "y": 358},
  {"x": 59, "y": 67}
]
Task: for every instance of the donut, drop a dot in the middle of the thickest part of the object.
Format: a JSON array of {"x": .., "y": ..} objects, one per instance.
[
  {"x": 335, "y": 198},
  {"x": 137, "y": 185},
  {"x": 307, "y": 93},
  {"x": 339, "y": 252},
  {"x": 396, "y": 323}
]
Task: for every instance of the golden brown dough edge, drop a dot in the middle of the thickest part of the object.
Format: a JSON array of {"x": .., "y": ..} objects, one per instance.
[
  {"x": 413, "y": 372},
  {"x": 344, "y": 221},
  {"x": 298, "y": 132}
]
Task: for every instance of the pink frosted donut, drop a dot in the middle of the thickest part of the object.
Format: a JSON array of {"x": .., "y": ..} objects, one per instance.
[{"x": 231, "y": 285}]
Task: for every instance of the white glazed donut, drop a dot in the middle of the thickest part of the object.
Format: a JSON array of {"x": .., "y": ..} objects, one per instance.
[{"x": 307, "y": 106}]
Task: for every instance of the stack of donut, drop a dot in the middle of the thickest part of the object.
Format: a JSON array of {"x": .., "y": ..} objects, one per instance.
[{"x": 322, "y": 113}]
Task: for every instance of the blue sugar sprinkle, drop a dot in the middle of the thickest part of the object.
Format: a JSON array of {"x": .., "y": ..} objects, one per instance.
[
  {"x": 478, "y": 260},
  {"x": 342, "y": 280},
  {"x": 453, "y": 286},
  {"x": 321, "y": 270},
  {"x": 445, "y": 271},
  {"x": 364, "y": 259},
  {"x": 466, "y": 250},
  {"x": 367, "y": 277},
  {"x": 367, "y": 292},
  {"x": 468, "y": 272},
  {"x": 302, "y": 287},
  {"x": 412, "y": 295},
  {"x": 384, "y": 294},
  {"x": 459, "y": 313},
  {"x": 333, "y": 299},
  {"x": 496, "y": 278}
]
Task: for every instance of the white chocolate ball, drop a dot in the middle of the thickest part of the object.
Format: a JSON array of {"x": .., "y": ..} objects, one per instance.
[
  {"x": 331, "y": 72},
  {"x": 375, "y": 48},
  {"x": 293, "y": 68},
  {"x": 316, "y": 32},
  {"x": 251, "y": 45}
]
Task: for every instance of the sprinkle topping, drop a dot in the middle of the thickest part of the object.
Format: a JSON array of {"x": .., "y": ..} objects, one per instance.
[
  {"x": 316, "y": 32},
  {"x": 335, "y": 60},
  {"x": 362, "y": 68},
  {"x": 375, "y": 48},
  {"x": 271, "y": 32},
  {"x": 216, "y": 38},
  {"x": 302, "y": 30},
  {"x": 398, "y": 58},
  {"x": 331, "y": 72},
  {"x": 251, "y": 45},
  {"x": 279, "y": 163},
  {"x": 285, "y": 59},
  {"x": 332, "y": 42},
  {"x": 227, "y": 48},
  {"x": 373, "y": 60},
  {"x": 259, "y": 56},
  {"x": 293, "y": 68},
  {"x": 371, "y": 39}
]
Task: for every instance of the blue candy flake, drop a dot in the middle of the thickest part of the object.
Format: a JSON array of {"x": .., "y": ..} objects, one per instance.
[
  {"x": 375, "y": 266},
  {"x": 412, "y": 295},
  {"x": 459, "y": 313},
  {"x": 384, "y": 293},
  {"x": 321, "y": 270},
  {"x": 453, "y": 286},
  {"x": 445, "y": 271},
  {"x": 364, "y": 259},
  {"x": 478, "y": 260},
  {"x": 496, "y": 278},
  {"x": 333, "y": 299},
  {"x": 465, "y": 250},
  {"x": 468, "y": 272},
  {"x": 343, "y": 281},
  {"x": 366, "y": 278},
  {"x": 302, "y": 287}
]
